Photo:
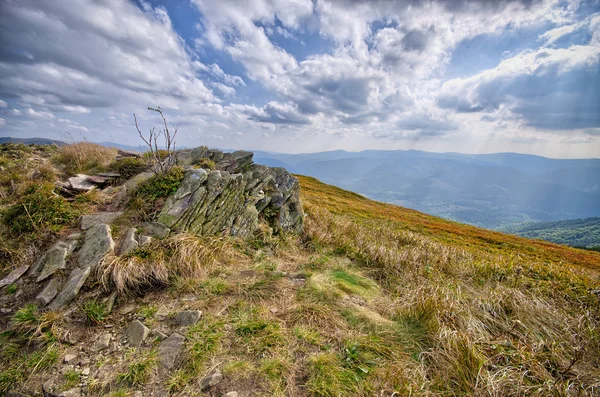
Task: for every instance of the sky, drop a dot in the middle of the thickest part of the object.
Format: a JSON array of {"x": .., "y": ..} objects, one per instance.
[{"x": 471, "y": 76}]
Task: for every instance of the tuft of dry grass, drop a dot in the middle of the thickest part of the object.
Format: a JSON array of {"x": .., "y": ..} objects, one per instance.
[
  {"x": 183, "y": 256},
  {"x": 84, "y": 157}
]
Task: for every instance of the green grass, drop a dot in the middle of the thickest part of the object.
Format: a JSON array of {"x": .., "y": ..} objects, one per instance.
[
  {"x": 147, "y": 312},
  {"x": 71, "y": 379},
  {"x": 140, "y": 369},
  {"x": 94, "y": 312}
]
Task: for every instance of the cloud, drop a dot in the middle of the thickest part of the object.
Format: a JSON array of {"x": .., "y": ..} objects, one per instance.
[
  {"x": 549, "y": 88},
  {"x": 278, "y": 113},
  {"x": 2, "y": 122},
  {"x": 3, "y": 104}
]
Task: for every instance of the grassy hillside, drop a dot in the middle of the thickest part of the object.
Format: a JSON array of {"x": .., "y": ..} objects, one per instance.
[
  {"x": 371, "y": 300},
  {"x": 583, "y": 233}
]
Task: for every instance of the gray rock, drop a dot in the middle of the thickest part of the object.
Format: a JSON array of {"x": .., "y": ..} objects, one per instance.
[
  {"x": 69, "y": 358},
  {"x": 48, "y": 293},
  {"x": 75, "y": 392},
  {"x": 137, "y": 333},
  {"x": 129, "y": 308},
  {"x": 81, "y": 183},
  {"x": 74, "y": 236},
  {"x": 223, "y": 200},
  {"x": 168, "y": 351},
  {"x": 158, "y": 335},
  {"x": 162, "y": 312},
  {"x": 231, "y": 394},
  {"x": 98, "y": 243},
  {"x": 143, "y": 240},
  {"x": 138, "y": 394},
  {"x": 211, "y": 380},
  {"x": 136, "y": 180},
  {"x": 5, "y": 310},
  {"x": 12, "y": 393},
  {"x": 54, "y": 259},
  {"x": 188, "y": 317},
  {"x": 156, "y": 229},
  {"x": 14, "y": 275},
  {"x": 102, "y": 342},
  {"x": 85, "y": 371},
  {"x": 88, "y": 221},
  {"x": 129, "y": 242},
  {"x": 71, "y": 288},
  {"x": 109, "y": 302}
]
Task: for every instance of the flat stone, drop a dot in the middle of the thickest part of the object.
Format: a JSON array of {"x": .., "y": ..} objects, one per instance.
[
  {"x": 129, "y": 242},
  {"x": 102, "y": 342},
  {"x": 156, "y": 229},
  {"x": 69, "y": 358},
  {"x": 75, "y": 392},
  {"x": 137, "y": 333},
  {"x": 98, "y": 180},
  {"x": 71, "y": 288},
  {"x": 158, "y": 335},
  {"x": 168, "y": 351},
  {"x": 231, "y": 394},
  {"x": 211, "y": 380},
  {"x": 14, "y": 275},
  {"x": 98, "y": 243},
  {"x": 88, "y": 221},
  {"x": 136, "y": 180},
  {"x": 129, "y": 308},
  {"x": 109, "y": 174},
  {"x": 67, "y": 368},
  {"x": 81, "y": 183},
  {"x": 48, "y": 293},
  {"x": 85, "y": 371},
  {"x": 54, "y": 259},
  {"x": 188, "y": 317},
  {"x": 74, "y": 236}
]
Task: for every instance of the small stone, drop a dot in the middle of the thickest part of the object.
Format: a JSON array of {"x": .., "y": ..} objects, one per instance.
[
  {"x": 162, "y": 312},
  {"x": 188, "y": 317},
  {"x": 14, "y": 275},
  {"x": 129, "y": 242},
  {"x": 81, "y": 183},
  {"x": 110, "y": 302},
  {"x": 127, "y": 309},
  {"x": 231, "y": 394},
  {"x": 85, "y": 371},
  {"x": 136, "y": 333},
  {"x": 75, "y": 392},
  {"x": 88, "y": 221},
  {"x": 211, "y": 380},
  {"x": 168, "y": 351},
  {"x": 69, "y": 358},
  {"x": 66, "y": 369},
  {"x": 48, "y": 293},
  {"x": 158, "y": 335},
  {"x": 143, "y": 240},
  {"x": 156, "y": 229},
  {"x": 138, "y": 394},
  {"x": 5, "y": 310},
  {"x": 102, "y": 342}
]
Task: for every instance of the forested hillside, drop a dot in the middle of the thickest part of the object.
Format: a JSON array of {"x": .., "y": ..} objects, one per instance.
[{"x": 583, "y": 233}]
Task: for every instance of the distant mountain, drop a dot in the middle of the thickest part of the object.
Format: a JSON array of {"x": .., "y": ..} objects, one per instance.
[
  {"x": 488, "y": 190},
  {"x": 576, "y": 232},
  {"x": 31, "y": 141}
]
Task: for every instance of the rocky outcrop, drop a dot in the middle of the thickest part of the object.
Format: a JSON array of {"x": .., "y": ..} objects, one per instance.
[{"x": 232, "y": 197}]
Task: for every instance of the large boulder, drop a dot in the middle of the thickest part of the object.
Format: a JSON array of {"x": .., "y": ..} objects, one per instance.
[{"x": 233, "y": 197}]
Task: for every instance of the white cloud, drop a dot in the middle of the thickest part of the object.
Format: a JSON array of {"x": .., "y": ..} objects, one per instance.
[
  {"x": 3, "y": 104},
  {"x": 34, "y": 114},
  {"x": 2, "y": 122}
]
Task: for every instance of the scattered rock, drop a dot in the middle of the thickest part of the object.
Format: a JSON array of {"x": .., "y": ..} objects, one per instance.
[
  {"x": 138, "y": 394},
  {"x": 74, "y": 236},
  {"x": 211, "y": 380},
  {"x": 162, "y": 312},
  {"x": 5, "y": 310},
  {"x": 188, "y": 317},
  {"x": 88, "y": 221},
  {"x": 231, "y": 394},
  {"x": 129, "y": 241},
  {"x": 71, "y": 287},
  {"x": 98, "y": 243},
  {"x": 69, "y": 358},
  {"x": 143, "y": 240},
  {"x": 156, "y": 229},
  {"x": 158, "y": 335},
  {"x": 168, "y": 351},
  {"x": 54, "y": 259},
  {"x": 85, "y": 371},
  {"x": 137, "y": 333},
  {"x": 48, "y": 293},
  {"x": 67, "y": 368},
  {"x": 14, "y": 275},
  {"x": 75, "y": 392},
  {"x": 109, "y": 302},
  {"x": 81, "y": 183},
  {"x": 102, "y": 342},
  {"x": 129, "y": 308}
]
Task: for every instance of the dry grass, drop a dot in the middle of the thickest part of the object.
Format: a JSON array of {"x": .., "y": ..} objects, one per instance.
[
  {"x": 84, "y": 157},
  {"x": 182, "y": 256}
]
